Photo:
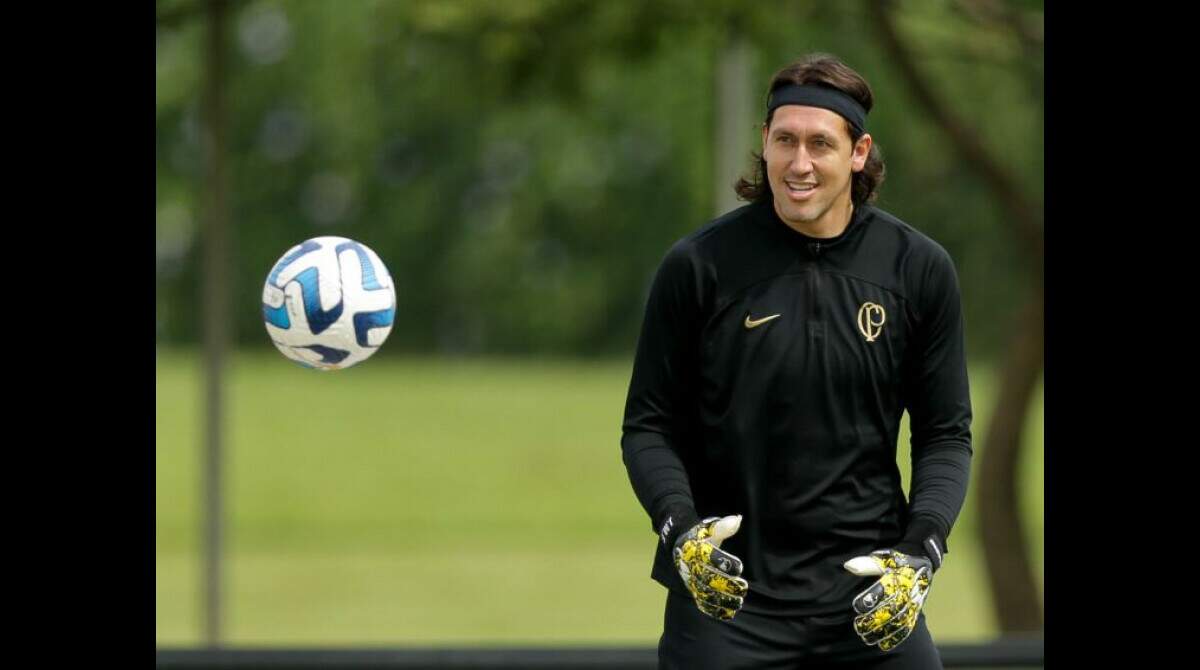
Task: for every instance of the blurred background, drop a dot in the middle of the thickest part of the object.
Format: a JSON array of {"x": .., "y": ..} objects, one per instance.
[{"x": 521, "y": 166}]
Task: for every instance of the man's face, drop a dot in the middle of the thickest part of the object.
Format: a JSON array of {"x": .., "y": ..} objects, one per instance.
[{"x": 810, "y": 159}]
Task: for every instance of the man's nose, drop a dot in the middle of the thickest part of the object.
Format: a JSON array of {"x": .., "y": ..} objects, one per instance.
[{"x": 801, "y": 162}]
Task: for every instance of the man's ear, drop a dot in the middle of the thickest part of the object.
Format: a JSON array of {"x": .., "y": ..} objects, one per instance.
[{"x": 860, "y": 153}]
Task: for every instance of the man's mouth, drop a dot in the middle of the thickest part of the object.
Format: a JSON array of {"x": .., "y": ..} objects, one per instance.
[{"x": 799, "y": 190}]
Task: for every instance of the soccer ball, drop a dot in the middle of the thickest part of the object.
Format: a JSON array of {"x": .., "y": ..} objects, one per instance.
[{"x": 329, "y": 303}]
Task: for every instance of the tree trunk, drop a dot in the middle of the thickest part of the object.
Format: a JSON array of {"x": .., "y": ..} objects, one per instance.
[
  {"x": 734, "y": 110},
  {"x": 1006, "y": 551},
  {"x": 215, "y": 291},
  {"x": 1014, "y": 592}
]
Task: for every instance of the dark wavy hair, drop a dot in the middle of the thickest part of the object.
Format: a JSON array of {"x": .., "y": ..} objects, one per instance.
[{"x": 820, "y": 68}]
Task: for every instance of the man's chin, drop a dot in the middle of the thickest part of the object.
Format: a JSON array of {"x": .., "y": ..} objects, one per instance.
[{"x": 793, "y": 214}]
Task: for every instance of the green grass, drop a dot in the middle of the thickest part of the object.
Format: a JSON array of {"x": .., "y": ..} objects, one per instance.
[{"x": 441, "y": 502}]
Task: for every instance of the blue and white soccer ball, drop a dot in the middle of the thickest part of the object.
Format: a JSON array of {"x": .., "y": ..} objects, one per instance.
[{"x": 329, "y": 303}]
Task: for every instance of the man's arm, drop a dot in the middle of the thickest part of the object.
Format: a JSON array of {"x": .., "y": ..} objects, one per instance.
[
  {"x": 659, "y": 422},
  {"x": 939, "y": 407},
  {"x": 657, "y": 406}
]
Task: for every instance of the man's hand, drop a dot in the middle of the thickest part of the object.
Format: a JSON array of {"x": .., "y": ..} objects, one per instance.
[
  {"x": 709, "y": 573},
  {"x": 888, "y": 610}
]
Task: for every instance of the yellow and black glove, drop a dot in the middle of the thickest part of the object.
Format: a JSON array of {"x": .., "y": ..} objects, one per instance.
[
  {"x": 888, "y": 610},
  {"x": 710, "y": 574}
]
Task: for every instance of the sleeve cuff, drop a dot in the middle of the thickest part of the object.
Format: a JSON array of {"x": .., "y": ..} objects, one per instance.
[
  {"x": 924, "y": 537},
  {"x": 675, "y": 521}
]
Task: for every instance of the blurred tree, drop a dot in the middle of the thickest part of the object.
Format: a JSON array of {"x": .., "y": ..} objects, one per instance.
[
  {"x": 521, "y": 166},
  {"x": 736, "y": 111},
  {"x": 1006, "y": 550}
]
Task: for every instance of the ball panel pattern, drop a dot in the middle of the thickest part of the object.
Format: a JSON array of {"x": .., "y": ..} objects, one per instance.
[{"x": 329, "y": 303}]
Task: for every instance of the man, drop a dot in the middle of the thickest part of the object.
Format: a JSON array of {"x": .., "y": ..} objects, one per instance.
[{"x": 781, "y": 345}]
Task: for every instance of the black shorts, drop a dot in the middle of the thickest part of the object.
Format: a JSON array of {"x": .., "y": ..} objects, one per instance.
[{"x": 693, "y": 641}]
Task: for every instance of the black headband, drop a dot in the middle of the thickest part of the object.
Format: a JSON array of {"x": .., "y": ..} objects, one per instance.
[{"x": 825, "y": 97}]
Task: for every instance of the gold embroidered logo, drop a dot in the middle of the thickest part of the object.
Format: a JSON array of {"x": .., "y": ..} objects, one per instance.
[
  {"x": 751, "y": 323},
  {"x": 870, "y": 320}
]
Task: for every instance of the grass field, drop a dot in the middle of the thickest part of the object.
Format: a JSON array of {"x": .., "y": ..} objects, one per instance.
[{"x": 434, "y": 502}]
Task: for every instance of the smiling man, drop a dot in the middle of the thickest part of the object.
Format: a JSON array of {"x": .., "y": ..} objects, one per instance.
[{"x": 781, "y": 345}]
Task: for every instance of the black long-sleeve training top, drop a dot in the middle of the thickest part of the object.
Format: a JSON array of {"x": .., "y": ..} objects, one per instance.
[{"x": 771, "y": 374}]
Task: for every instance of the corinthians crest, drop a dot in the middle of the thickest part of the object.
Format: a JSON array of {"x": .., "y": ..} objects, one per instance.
[{"x": 870, "y": 320}]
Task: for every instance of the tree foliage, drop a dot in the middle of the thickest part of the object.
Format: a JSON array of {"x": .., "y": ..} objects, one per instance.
[{"x": 522, "y": 166}]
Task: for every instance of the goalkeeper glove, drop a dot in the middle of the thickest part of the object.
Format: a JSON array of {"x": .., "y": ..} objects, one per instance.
[
  {"x": 710, "y": 574},
  {"x": 888, "y": 610}
]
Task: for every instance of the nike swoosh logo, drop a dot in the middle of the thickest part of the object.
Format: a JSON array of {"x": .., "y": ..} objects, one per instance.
[{"x": 751, "y": 323}]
